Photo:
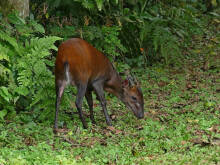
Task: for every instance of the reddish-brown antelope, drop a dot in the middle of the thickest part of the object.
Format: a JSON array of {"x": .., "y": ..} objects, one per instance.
[{"x": 79, "y": 63}]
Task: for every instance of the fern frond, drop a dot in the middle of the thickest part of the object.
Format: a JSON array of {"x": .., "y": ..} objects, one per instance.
[{"x": 12, "y": 41}]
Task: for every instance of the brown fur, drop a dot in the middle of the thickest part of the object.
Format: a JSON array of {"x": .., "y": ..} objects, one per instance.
[{"x": 86, "y": 67}]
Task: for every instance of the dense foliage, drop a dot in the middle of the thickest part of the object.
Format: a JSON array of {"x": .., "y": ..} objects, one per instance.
[
  {"x": 172, "y": 46},
  {"x": 25, "y": 79},
  {"x": 141, "y": 32},
  {"x": 181, "y": 126}
]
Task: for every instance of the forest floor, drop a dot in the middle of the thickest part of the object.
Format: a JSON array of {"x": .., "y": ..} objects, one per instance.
[{"x": 181, "y": 125}]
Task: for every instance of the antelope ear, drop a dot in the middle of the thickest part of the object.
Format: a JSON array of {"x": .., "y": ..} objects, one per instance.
[
  {"x": 125, "y": 83},
  {"x": 131, "y": 81}
]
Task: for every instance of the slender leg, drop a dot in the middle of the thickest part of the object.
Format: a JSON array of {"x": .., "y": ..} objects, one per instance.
[
  {"x": 98, "y": 87},
  {"x": 79, "y": 100},
  {"x": 90, "y": 103},
  {"x": 59, "y": 92}
]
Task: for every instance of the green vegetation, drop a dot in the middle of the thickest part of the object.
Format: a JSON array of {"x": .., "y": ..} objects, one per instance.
[
  {"x": 26, "y": 80},
  {"x": 181, "y": 126},
  {"x": 172, "y": 47}
]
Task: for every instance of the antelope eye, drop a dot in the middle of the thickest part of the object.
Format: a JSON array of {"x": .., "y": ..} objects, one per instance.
[{"x": 134, "y": 98}]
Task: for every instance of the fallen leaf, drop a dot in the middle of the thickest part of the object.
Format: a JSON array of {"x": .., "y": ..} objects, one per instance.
[
  {"x": 140, "y": 127},
  {"x": 111, "y": 128},
  {"x": 215, "y": 141},
  {"x": 151, "y": 157},
  {"x": 153, "y": 112},
  {"x": 183, "y": 142},
  {"x": 103, "y": 143},
  {"x": 205, "y": 66},
  {"x": 189, "y": 85},
  {"x": 118, "y": 132},
  {"x": 141, "y": 139},
  {"x": 113, "y": 117},
  {"x": 196, "y": 141},
  {"x": 162, "y": 83},
  {"x": 214, "y": 129},
  {"x": 78, "y": 157},
  {"x": 162, "y": 128},
  {"x": 61, "y": 130},
  {"x": 106, "y": 132}
]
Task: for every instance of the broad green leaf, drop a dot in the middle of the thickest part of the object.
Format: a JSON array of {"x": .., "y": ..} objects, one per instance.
[
  {"x": 3, "y": 113},
  {"x": 14, "y": 19},
  {"x": 99, "y": 4},
  {"x": 5, "y": 94},
  {"x": 3, "y": 56},
  {"x": 214, "y": 3},
  {"x": 22, "y": 90},
  {"x": 39, "y": 28}
]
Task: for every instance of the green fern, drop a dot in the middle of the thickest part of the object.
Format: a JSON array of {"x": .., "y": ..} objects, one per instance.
[
  {"x": 158, "y": 37},
  {"x": 24, "y": 72},
  {"x": 11, "y": 41},
  {"x": 3, "y": 57}
]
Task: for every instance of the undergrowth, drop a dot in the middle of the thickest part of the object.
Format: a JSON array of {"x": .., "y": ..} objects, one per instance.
[
  {"x": 181, "y": 126},
  {"x": 173, "y": 48}
]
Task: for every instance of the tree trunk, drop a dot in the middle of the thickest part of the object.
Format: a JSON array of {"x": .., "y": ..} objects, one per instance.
[{"x": 22, "y": 6}]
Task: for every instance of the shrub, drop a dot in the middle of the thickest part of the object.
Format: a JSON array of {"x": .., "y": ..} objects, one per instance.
[{"x": 26, "y": 80}]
